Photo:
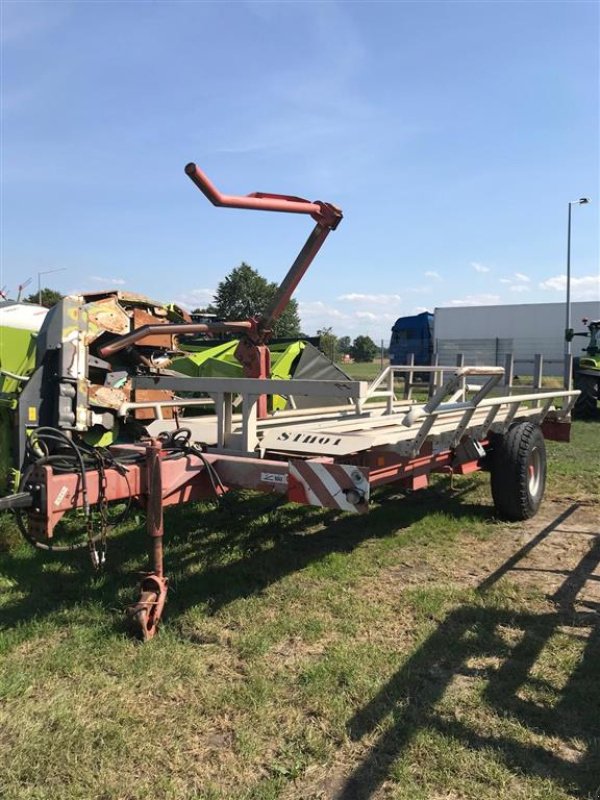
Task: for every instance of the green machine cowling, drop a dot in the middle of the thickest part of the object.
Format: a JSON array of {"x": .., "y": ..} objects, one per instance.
[
  {"x": 289, "y": 359},
  {"x": 19, "y": 326}
]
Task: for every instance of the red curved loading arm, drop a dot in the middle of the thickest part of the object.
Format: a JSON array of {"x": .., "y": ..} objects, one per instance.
[
  {"x": 326, "y": 215},
  {"x": 257, "y": 331}
]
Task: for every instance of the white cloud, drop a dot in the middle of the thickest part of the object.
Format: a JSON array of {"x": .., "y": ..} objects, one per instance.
[
  {"x": 377, "y": 299},
  {"x": 316, "y": 309},
  {"x": 110, "y": 281},
  {"x": 517, "y": 283},
  {"x": 376, "y": 317},
  {"x": 195, "y": 298},
  {"x": 431, "y": 273},
  {"x": 476, "y": 300},
  {"x": 479, "y": 267},
  {"x": 366, "y": 315},
  {"x": 585, "y": 288},
  {"x": 348, "y": 321}
]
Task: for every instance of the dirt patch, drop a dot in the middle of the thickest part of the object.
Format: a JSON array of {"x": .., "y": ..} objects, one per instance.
[
  {"x": 540, "y": 554},
  {"x": 290, "y": 652},
  {"x": 557, "y": 553}
]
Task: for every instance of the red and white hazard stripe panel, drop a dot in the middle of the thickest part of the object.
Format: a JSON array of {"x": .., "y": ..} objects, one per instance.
[{"x": 340, "y": 486}]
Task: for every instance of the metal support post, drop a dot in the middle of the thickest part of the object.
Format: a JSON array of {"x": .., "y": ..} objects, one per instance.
[
  {"x": 509, "y": 370},
  {"x": 568, "y": 299},
  {"x": 538, "y": 369},
  {"x": 568, "y": 372},
  {"x": 433, "y": 376},
  {"x": 460, "y": 362},
  {"x": 409, "y": 376}
]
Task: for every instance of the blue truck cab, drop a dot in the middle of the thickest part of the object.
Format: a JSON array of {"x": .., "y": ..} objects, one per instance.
[{"x": 412, "y": 335}]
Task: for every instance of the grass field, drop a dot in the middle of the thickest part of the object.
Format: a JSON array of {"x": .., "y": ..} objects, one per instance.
[
  {"x": 425, "y": 651},
  {"x": 369, "y": 371},
  {"x": 364, "y": 372}
]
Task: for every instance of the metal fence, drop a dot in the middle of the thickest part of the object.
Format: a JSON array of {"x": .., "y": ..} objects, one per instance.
[
  {"x": 535, "y": 368},
  {"x": 493, "y": 352}
]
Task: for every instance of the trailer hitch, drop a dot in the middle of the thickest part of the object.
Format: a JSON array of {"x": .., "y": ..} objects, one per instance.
[{"x": 143, "y": 617}]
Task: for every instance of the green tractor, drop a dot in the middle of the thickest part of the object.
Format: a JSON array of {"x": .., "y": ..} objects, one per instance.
[{"x": 586, "y": 371}]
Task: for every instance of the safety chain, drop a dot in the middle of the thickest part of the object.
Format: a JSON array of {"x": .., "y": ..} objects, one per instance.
[
  {"x": 103, "y": 509},
  {"x": 98, "y": 547},
  {"x": 94, "y": 556}
]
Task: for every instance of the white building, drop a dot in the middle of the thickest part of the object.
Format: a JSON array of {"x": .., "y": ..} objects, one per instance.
[{"x": 485, "y": 334}]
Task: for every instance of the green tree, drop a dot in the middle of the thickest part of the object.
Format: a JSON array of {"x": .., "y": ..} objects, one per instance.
[
  {"x": 50, "y": 297},
  {"x": 344, "y": 343},
  {"x": 245, "y": 293},
  {"x": 327, "y": 342},
  {"x": 210, "y": 309},
  {"x": 363, "y": 349}
]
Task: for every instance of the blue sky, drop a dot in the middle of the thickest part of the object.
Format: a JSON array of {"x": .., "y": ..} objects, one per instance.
[{"x": 451, "y": 134}]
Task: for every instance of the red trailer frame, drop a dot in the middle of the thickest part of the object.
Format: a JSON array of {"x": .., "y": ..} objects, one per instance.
[{"x": 330, "y": 457}]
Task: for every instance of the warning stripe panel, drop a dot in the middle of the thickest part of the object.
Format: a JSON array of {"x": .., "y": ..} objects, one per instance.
[
  {"x": 313, "y": 485},
  {"x": 339, "y": 486}
]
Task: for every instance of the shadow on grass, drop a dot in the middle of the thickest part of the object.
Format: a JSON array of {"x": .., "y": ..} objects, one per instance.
[
  {"x": 217, "y": 554},
  {"x": 474, "y": 632},
  {"x": 242, "y": 548}
]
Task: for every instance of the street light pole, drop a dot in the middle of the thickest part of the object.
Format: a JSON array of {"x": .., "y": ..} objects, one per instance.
[
  {"x": 568, "y": 316},
  {"x": 45, "y": 272},
  {"x": 582, "y": 201}
]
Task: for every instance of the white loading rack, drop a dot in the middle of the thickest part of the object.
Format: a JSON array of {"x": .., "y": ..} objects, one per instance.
[{"x": 372, "y": 417}]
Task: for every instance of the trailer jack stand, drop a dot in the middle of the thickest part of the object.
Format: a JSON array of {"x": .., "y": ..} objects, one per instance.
[{"x": 144, "y": 616}]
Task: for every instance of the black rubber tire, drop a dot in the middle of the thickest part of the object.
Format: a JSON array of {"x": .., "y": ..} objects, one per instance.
[
  {"x": 586, "y": 405},
  {"x": 518, "y": 471}
]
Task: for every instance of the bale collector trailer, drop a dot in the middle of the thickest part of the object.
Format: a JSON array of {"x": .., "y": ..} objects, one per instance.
[{"x": 104, "y": 368}]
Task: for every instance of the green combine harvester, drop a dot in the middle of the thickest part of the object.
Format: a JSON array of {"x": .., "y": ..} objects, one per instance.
[
  {"x": 289, "y": 359},
  {"x": 25, "y": 342}
]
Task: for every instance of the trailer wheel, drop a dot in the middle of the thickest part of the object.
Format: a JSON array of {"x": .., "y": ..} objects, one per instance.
[{"x": 518, "y": 471}]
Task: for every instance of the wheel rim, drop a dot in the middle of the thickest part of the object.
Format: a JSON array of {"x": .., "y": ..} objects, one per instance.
[{"x": 534, "y": 472}]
